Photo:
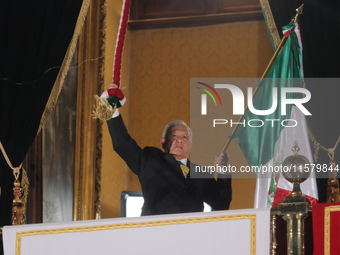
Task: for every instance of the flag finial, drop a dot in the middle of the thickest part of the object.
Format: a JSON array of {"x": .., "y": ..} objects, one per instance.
[{"x": 299, "y": 11}]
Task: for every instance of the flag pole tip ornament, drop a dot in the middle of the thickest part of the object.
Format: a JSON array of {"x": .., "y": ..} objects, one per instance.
[
  {"x": 296, "y": 170},
  {"x": 299, "y": 11}
]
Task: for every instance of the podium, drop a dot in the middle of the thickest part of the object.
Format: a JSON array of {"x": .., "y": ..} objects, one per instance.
[{"x": 220, "y": 232}]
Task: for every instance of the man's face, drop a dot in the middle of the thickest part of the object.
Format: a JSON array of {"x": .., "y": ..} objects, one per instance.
[{"x": 177, "y": 142}]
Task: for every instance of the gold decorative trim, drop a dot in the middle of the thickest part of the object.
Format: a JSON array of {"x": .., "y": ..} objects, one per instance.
[
  {"x": 251, "y": 217},
  {"x": 270, "y": 22},
  {"x": 99, "y": 143},
  {"x": 65, "y": 65},
  {"x": 88, "y": 148},
  {"x": 25, "y": 184},
  {"x": 327, "y": 226}
]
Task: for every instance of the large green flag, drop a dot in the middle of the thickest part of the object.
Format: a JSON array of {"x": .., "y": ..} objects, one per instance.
[
  {"x": 267, "y": 139},
  {"x": 258, "y": 144}
]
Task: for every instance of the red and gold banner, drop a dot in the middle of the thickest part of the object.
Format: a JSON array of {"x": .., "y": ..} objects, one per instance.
[{"x": 326, "y": 228}]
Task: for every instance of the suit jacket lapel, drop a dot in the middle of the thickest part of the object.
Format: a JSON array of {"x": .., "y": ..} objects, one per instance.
[{"x": 176, "y": 165}]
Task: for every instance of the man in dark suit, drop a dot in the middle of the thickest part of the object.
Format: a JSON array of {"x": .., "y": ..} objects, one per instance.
[{"x": 165, "y": 186}]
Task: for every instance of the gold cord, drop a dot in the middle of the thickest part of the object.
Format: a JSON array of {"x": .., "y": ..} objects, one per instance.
[
  {"x": 316, "y": 144},
  {"x": 16, "y": 170}
]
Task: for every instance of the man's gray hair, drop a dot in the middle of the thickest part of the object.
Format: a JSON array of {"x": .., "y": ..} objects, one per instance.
[{"x": 175, "y": 123}]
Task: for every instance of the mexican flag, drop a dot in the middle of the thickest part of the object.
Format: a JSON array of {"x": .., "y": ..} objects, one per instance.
[{"x": 268, "y": 145}]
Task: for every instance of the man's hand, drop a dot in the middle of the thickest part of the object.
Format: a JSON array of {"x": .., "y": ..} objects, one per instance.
[
  {"x": 114, "y": 90},
  {"x": 114, "y": 95},
  {"x": 109, "y": 102},
  {"x": 221, "y": 159}
]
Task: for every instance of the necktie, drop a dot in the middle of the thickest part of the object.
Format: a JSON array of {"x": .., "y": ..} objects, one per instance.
[{"x": 185, "y": 169}]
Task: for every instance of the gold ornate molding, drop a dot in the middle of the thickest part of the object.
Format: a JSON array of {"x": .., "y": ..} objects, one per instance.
[
  {"x": 327, "y": 227},
  {"x": 270, "y": 22},
  {"x": 251, "y": 217},
  {"x": 89, "y": 131}
]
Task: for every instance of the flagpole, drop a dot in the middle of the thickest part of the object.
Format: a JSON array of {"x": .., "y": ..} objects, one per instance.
[{"x": 269, "y": 66}]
